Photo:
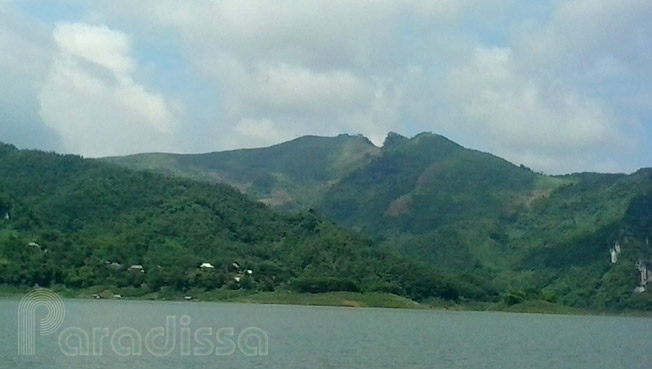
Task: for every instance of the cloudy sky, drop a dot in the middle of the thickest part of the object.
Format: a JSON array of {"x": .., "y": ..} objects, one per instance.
[{"x": 559, "y": 86}]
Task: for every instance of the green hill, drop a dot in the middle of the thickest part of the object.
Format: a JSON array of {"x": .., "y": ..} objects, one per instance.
[
  {"x": 427, "y": 182},
  {"x": 80, "y": 223},
  {"x": 460, "y": 210},
  {"x": 291, "y": 175},
  {"x": 467, "y": 211}
]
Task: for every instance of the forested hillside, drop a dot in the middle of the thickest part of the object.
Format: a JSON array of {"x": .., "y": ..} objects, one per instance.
[
  {"x": 289, "y": 176},
  {"x": 79, "y": 223},
  {"x": 536, "y": 235},
  {"x": 464, "y": 211}
]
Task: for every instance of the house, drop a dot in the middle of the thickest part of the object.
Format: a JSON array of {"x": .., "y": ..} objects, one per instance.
[
  {"x": 136, "y": 268},
  {"x": 34, "y": 244},
  {"x": 249, "y": 271},
  {"x": 206, "y": 266},
  {"x": 113, "y": 265}
]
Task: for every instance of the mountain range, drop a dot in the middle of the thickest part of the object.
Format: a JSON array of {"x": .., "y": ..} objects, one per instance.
[
  {"x": 73, "y": 223},
  {"x": 456, "y": 209}
]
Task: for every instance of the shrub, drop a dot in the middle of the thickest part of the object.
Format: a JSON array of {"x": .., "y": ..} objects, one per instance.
[{"x": 324, "y": 284}]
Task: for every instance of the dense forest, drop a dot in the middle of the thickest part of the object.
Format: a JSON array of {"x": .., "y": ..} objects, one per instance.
[
  {"x": 69, "y": 222},
  {"x": 529, "y": 235}
]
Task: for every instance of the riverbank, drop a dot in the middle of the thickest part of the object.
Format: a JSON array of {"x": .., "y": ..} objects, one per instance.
[
  {"x": 345, "y": 299},
  {"x": 342, "y": 299}
]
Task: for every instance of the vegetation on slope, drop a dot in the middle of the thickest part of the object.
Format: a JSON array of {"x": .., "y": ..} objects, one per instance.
[
  {"x": 534, "y": 236},
  {"x": 86, "y": 224},
  {"x": 292, "y": 175},
  {"x": 435, "y": 200}
]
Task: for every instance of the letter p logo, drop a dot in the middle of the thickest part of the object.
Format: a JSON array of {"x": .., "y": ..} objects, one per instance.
[{"x": 27, "y": 318}]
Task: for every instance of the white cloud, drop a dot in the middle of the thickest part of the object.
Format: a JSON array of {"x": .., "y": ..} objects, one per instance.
[
  {"x": 520, "y": 113},
  {"x": 25, "y": 57},
  {"x": 95, "y": 44},
  {"x": 525, "y": 110},
  {"x": 314, "y": 33},
  {"x": 535, "y": 83},
  {"x": 260, "y": 132},
  {"x": 311, "y": 67},
  {"x": 294, "y": 88},
  {"x": 92, "y": 100},
  {"x": 583, "y": 35}
]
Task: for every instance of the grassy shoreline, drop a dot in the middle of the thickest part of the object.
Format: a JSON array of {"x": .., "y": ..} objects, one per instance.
[{"x": 336, "y": 299}]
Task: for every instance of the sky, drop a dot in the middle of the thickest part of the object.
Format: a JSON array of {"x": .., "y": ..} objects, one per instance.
[{"x": 558, "y": 86}]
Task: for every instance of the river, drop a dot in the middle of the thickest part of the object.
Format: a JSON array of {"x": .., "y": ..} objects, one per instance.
[{"x": 158, "y": 335}]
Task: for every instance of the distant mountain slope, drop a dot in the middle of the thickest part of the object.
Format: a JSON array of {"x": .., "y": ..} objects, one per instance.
[
  {"x": 69, "y": 221},
  {"x": 433, "y": 199},
  {"x": 428, "y": 181},
  {"x": 291, "y": 175},
  {"x": 464, "y": 210},
  {"x": 467, "y": 211},
  {"x": 562, "y": 243}
]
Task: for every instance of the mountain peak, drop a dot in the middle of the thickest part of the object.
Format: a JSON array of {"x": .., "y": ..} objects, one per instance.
[
  {"x": 319, "y": 141},
  {"x": 394, "y": 139}
]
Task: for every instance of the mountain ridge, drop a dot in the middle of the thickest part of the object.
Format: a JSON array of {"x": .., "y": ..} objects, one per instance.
[
  {"x": 81, "y": 223},
  {"x": 327, "y": 159},
  {"x": 468, "y": 211}
]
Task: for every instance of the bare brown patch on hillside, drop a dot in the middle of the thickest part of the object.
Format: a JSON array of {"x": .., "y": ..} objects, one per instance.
[
  {"x": 428, "y": 175},
  {"x": 278, "y": 198},
  {"x": 537, "y": 195},
  {"x": 526, "y": 199},
  {"x": 399, "y": 206}
]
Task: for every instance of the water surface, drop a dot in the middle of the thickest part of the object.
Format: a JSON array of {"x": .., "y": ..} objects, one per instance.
[{"x": 327, "y": 337}]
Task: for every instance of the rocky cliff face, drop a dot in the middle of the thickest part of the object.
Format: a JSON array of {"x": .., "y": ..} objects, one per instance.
[{"x": 644, "y": 271}]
